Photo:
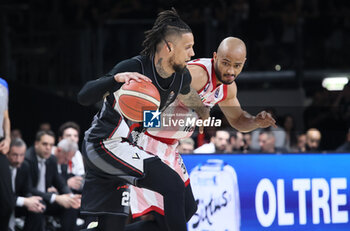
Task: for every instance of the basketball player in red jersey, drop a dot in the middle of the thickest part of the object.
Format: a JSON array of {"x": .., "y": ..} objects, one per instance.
[{"x": 214, "y": 80}]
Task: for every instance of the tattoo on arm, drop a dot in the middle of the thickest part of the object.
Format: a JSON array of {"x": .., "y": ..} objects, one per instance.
[{"x": 193, "y": 101}]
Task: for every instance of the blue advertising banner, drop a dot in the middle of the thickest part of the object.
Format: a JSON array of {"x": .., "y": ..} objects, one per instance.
[{"x": 276, "y": 192}]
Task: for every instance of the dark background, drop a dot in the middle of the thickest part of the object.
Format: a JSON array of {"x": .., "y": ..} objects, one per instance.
[{"x": 49, "y": 49}]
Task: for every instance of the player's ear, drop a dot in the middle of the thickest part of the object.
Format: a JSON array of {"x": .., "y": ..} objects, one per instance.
[
  {"x": 214, "y": 56},
  {"x": 168, "y": 46}
]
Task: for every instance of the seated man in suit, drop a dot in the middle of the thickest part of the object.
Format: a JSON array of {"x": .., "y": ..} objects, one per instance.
[
  {"x": 20, "y": 177},
  {"x": 267, "y": 143},
  {"x": 71, "y": 130},
  {"x": 64, "y": 153},
  {"x": 44, "y": 175}
]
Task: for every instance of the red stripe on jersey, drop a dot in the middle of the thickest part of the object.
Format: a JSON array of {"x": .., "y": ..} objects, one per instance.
[
  {"x": 213, "y": 76},
  {"x": 162, "y": 139},
  {"x": 119, "y": 160},
  {"x": 133, "y": 126},
  {"x": 114, "y": 103},
  {"x": 202, "y": 66},
  {"x": 120, "y": 120},
  {"x": 187, "y": 182},
  {"x": 150, "y": 209},
  {"x": 225, "y": 93}
]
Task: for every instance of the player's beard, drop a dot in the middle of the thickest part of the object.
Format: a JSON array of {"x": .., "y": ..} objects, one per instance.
[
  {"x": 220, "y": 149},
  {"x": 219, "y": 76},
  {"x": 176, "y": 67}
]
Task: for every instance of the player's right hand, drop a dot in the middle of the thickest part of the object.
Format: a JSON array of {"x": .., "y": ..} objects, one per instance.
[
  {"x": 126, "y": 77},
  {"x": 264, "y": 120}
]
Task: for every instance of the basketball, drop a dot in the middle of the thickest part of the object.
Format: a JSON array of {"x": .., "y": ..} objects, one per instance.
[{"x": 134, "y": 98}]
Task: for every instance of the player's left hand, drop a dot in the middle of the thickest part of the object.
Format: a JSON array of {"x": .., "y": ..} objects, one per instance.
[
  {"x": 264, "y": 120},
  {"x": 126, "y": 77}
]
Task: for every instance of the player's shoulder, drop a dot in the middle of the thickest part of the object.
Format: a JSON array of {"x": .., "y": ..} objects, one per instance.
[
  {"x": 132, "y": 61},
  {"x": 3, "y": 83},
  {"x": 204, "y": 62},
  {"x": 127, "y": 65},
  {"x": 198, "y": 70},
  {"x": 199, "y": 75}
]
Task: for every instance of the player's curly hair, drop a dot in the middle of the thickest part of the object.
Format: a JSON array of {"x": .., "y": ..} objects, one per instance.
[{"x": 167, "y": 23}]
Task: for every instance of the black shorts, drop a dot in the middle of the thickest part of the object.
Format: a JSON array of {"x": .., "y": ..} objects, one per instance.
[
  {"x": 102, "y": 196},
  {"x": 110, "y": 165}
]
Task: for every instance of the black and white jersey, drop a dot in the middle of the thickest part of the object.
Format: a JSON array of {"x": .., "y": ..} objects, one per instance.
[{"x": 108, "y": 123}]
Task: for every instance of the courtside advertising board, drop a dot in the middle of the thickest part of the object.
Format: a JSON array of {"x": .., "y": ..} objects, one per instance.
[{"x": 251, "y": 192}]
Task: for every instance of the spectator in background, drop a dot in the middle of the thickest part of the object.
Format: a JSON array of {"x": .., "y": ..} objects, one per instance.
[
  {"x": 289, "y": 128},
  {"x": 313, "y": 139},
  {"x": 185, "y": 146},
  {"x": 236, "y": 142},
  {"x": 44, "y": 175},
  {"x": 346, "y": 146},
  {"x": 267, "y": 143},
  {"x": 24, "y": 202},
  {"x": 6, "y": 194},
  {"x": 301, "y": 143},
  {"x": 45, "y": 126},
  {"x": 16, "y": 133},
  {"x": 247, "y": 142},
  {"x": 218, "y": 143},
  {"x": 71, "y": 130},
  {"x": 318, "y": 113},
  {"x": 279, "y": 133},
  {"x": 342, "y": 105},
  {"x": 64, "y": 152}
]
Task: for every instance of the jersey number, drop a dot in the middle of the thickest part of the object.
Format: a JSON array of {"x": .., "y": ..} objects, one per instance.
[{"x": 125, "y": 199}]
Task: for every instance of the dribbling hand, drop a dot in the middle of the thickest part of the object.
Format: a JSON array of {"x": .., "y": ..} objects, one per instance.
[
  {"x": 264, "y": 120},
  {"x": 126, "y": 77}
]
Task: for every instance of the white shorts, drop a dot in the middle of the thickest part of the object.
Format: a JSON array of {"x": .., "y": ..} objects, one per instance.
[{"x": 143, "y": 201}]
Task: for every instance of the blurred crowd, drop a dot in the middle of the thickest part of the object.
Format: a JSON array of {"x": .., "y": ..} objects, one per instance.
[
  {"x": 326, "y": 128},
  {"x": 47, "y": 179},
  {"x": 272, "y": 28}
]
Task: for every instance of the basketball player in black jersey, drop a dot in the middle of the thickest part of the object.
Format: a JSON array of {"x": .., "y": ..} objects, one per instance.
[{"x": 111, "y": 159}]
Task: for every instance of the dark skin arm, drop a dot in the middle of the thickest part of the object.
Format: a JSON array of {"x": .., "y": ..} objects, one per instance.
[
  {"x": 240, "y": 119},
  {"x": 193, "y": 101}
]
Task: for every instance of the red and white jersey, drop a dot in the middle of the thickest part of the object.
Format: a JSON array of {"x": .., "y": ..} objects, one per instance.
[
  {"x": 162, "y": 142},
  {"x": 144, "y": 200},
  {"x": 210, "y": 93}
]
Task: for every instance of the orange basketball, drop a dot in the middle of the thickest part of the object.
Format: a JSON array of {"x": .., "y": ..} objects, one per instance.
[{"x": 136, "y": 97}]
